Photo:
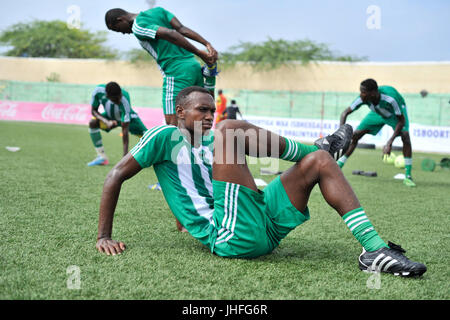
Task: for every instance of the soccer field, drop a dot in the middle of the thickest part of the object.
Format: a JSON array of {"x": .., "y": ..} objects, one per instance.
[{"x": 49, "y": 201}]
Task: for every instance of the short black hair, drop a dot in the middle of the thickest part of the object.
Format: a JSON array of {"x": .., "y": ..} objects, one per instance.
[
  {"x": 112, "y": 15},
  {"x": 183, "y": 95},
  {"x": 370, "y": 84},
  {"x": 113, "y": 89},
  {"x": 233, "y": 101}
]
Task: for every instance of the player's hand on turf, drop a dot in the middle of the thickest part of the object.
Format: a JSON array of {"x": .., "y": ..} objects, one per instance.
[{"x": 109, "y": 246}]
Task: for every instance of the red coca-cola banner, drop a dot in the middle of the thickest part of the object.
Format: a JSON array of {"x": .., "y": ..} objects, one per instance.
[{"x": 66, "y": 113}]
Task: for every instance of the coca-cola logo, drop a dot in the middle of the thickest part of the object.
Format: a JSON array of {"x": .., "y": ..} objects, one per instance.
[
  {"x": 65, "y": 113},
  {"x": 8, "y": 110}
]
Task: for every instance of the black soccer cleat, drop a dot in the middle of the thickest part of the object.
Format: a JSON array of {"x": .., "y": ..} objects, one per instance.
[
  {"x": 390, "y": 260},
  {"x": 337, "y": 143}
]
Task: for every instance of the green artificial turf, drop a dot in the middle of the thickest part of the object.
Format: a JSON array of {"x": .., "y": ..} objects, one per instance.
[{"x": 49, "y": 201}]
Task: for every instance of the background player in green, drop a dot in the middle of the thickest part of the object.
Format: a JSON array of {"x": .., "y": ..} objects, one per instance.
[
  {"x": 387, "y": 106},
  {"x": 118, "y": 112},
  {"x": 163, "y": 36},
  {"x": 209, "y": 187}
]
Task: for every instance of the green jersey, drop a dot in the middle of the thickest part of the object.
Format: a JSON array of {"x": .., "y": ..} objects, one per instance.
[
  {"x": 391, "y": 103},
  {"x": 166, "y": 54},
  {"x": 120, "y": 112},
  {"x": 185, "y": 175}
]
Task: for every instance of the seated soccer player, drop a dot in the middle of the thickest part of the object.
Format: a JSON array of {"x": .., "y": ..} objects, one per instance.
[
  {"x": 209, "y": 188},
  {"x": 118, "y": 112}
]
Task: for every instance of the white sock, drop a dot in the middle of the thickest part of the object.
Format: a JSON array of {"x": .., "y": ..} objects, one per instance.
[{"x": 101, "y": 152}]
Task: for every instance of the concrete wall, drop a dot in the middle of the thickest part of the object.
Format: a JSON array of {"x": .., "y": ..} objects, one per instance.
[{"x": 323, "y": 76}]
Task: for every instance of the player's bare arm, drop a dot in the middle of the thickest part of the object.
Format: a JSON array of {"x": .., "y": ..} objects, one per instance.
[
  {"x": 125, "y": 137},
  {"x": 398, "y": 128},
  {"x": 178, "y": 39},
  {"x": 126, "y": 168},
  {"x": 109, "y": 123},
  {"x": 191, "y": 34},
  {"x": 345, "y": 114}
]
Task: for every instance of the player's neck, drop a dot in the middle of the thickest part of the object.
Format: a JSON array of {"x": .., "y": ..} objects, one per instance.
[
  {"x": 193, "y": 137},
  {"x": 377, "y": 99}
]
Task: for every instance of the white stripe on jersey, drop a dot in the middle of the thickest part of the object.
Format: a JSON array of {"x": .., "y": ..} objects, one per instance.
[
  {"x": 127, "y": 108},
  {"x": 230, "y": 213},
  {"x": 96, "y": 91},
  {"x": 147, "y": 137},
  {"x": 225, "y": 206},
  {"x": 143, "y": 31},
  {"x": 170, "y": 81},
  {"x": 235, "y": 209},
  {"x": 184, "y": 168},
  {"x": 108, "y": 110},
  {"x": 116, "y": 111},
  {"x": 203, "y": 169},
  {"x": 356, "y": 103},
  {"x": 392, "y": 102},
  {"x": 148, "y": 47}
]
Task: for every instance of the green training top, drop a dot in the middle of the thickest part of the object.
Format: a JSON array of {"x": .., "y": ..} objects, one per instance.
[
  {"x": 391, "y": 103},
  {"x": 185, "y": 175},
  {"x": 121, "y": 112},
  {"x": 164, "y": 52}
]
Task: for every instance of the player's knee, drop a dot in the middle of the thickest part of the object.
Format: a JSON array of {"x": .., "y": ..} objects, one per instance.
[
  {"x": 317, "y": 160},
  {"x": 93, "y": 124}
]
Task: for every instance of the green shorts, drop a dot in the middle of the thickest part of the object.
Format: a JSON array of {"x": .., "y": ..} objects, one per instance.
[
  {"x": 136, "y": 126},
  {"x": 250, "y": 224},
  {"x": 185, "y": 74},
  {"x": 373, "y": 122}
]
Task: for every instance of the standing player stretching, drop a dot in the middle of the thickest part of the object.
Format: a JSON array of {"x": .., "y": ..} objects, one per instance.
[
  {"x": 387, "y": 106},
  {"x": 209, "y": 187},
  {"x": 163, "y": 36}
]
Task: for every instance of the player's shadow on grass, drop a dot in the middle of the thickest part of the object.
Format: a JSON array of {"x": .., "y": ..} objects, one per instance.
[{"x": 308, "y": 250}]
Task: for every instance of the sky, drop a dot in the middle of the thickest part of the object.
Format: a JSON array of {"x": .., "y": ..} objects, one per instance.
[{"x": 385, "y": 30}]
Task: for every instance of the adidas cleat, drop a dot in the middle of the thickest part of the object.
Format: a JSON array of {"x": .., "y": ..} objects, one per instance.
[
  {"x": 337, "y": 143},
  {"x": 390, "y": 260},
  {"x": 99, "y": 161}
]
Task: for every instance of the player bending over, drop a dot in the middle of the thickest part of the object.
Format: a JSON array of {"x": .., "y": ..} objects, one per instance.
[
  {"x": 209, "y": 188},
  {"x": 118, "y": 113},
  {"x": 387, "y": 106},
  {"x": 165, "y": 38}
]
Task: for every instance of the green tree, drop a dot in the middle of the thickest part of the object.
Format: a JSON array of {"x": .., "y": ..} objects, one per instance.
[
  {"x": 271, "y": 54},
  {"x": 55, "y": 40},
  {"x": 139, "y": 56}
]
